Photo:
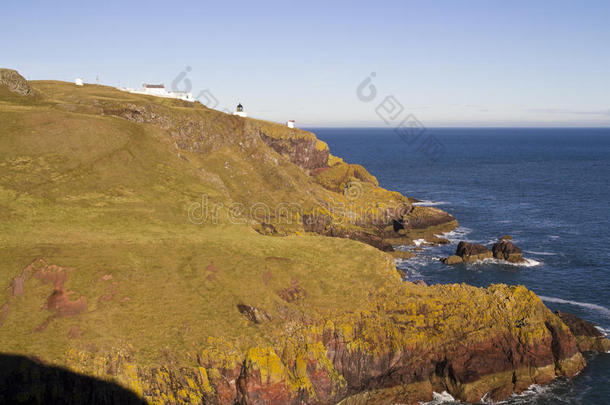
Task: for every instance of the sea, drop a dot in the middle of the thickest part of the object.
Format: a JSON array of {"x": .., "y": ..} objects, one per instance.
[{"x": 549, "y": 188}]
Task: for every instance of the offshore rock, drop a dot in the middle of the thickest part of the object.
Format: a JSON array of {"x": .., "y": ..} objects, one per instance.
[
  {"x": 506, "y": 250},
  {"x": 470, "y": 252},
  {"x": 453, "y": 259}
]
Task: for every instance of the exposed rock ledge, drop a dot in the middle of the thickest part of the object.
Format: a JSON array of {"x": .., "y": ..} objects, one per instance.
[{"x": 470, "y": 342}]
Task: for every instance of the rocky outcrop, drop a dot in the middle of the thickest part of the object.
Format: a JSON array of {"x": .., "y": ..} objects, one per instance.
[
  {"x": 340, "y": 176},
  {"x": 506, "y": 250},
  {"x": 306, "y": 153},
  {"x": 14, "y": 82},
  {"x": 396, "y": 351},
  {"x": 470, "y": 252},
  {"x": 421, "y": 217},
  {"x": 408, "y": 344},
  {"x": 253, "y": 314},
  {"x": 419, "y": 222},
  {"x": 588, "y": 337},
  {"x": 453, "y": 259}
]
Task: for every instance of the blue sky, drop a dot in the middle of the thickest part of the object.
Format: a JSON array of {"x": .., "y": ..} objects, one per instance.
[{"x": 449, "y": 63}]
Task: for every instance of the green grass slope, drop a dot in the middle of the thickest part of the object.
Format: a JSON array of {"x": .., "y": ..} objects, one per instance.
[{"x": 109, "y": 198}]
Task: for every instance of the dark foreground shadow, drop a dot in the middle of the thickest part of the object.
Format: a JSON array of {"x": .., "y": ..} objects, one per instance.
[{"x": 25, "y": 381}]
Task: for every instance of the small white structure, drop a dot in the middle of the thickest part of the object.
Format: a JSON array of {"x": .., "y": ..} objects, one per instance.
[
  {"x": 290, "y": 123},
  {"x": 158, "y": 90},
  {"x": 239, "y": 110},
  {"x": 79, "y": 81}
]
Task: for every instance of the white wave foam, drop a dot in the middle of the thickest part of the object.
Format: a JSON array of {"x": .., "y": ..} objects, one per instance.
[
  {"x": 427, "y": 203},
  {"x": 526, "y": 263},
  {"x": 605, "y": 332},
  {"x": 418, "y": 242},
  {"x": 442, "y": 398},
  {"x": 540, "y": 253},
  {"x": 594, "y": 307},
  {"x": 457, "y": 234},
  {"x": 527, "y": 396}
]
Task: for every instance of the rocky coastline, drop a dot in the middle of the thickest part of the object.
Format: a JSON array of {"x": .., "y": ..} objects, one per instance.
[{"x": 283, "y": 307}]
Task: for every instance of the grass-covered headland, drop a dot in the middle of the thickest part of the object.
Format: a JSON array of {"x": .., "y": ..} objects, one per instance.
[{"x": 191, "y": 256}]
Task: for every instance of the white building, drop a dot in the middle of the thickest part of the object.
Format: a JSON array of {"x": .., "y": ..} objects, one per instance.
[
  {"x": 290, "y": 123},
  {"x": 79, "y": 81},
  {"x": 154, "y": 89},
  {"x": 158, "y": 90},
  {"x": 239, "y": 110}
]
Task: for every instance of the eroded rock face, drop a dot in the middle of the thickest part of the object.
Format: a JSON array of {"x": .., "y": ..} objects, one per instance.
[
  {"x": 470, "y": 252},
  {"x": 305, "y": 153},
  {"x": 14, "y": 82},
  {"x": 588, "y": 337},
  {"x": 506, "y": 250},
  {"x": 534, "y": 348}
]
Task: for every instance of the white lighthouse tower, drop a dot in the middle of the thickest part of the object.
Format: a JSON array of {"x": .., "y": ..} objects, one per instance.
[{"x": 239, "y": 110}]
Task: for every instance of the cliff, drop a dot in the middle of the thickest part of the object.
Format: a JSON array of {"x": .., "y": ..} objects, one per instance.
[{"x": 184, "y": 254}]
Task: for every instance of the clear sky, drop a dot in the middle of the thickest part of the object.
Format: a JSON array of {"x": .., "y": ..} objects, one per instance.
[{"x": 449, "y": 63}]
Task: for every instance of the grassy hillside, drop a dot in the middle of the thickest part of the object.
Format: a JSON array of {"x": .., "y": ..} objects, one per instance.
[
  {"x": 112, "y": 267},
  {"x": 109, "y": 199}
]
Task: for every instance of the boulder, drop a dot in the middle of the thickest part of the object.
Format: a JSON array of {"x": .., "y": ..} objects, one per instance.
[
  {"x": 506, "y": 237},
  {"x": 453, "y": 259},
  {"x": 14, "y": 82},
  {"x": 505, "y": 250},
  {"x": 470, "y": 252}
]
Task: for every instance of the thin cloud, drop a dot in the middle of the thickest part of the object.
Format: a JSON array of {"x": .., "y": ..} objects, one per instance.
[{"x": 568, "y": 111}]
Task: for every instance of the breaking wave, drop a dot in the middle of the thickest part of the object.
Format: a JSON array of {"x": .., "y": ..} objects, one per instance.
[
  {"x": 442, "y": 398},
  {"x": 419, "y": 242},
  {"x": 540, "y": 253},
  {"x": 457, "y": 234},
  {"x": 526, "y": 263},
  {"x": 595, "y": 307},
  {"x": 530, "y": 395},
  {"x": 427, "y": 203}
]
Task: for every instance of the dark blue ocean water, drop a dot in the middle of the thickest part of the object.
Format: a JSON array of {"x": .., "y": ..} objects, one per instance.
[{"x": 548, "y": 188}]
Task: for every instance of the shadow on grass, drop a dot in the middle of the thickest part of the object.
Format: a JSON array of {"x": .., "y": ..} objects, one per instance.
[{"x": 25, "y": 381}]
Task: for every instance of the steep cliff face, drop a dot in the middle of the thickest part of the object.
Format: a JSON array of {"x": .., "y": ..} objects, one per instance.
[
  {"x": 306, "y": 153},
  {"x": 136, "y": 252},
  {"x": 404, "y": 351}
]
